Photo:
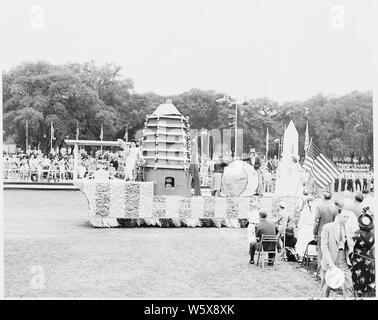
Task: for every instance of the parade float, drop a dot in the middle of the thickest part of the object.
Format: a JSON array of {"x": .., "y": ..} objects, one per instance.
[{"x": 164, "y": 198}]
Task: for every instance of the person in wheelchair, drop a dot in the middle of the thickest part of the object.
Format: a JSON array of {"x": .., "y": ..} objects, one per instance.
[
  {"x": 284, "y": 222},
  {"x": 289, "y": 240}
]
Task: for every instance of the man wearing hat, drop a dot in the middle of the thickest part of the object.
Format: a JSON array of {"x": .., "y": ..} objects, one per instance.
[{"x": 336, "y": 245}]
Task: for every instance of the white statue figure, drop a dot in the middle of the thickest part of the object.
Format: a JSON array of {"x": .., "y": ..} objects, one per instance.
[{"x": 289, "y": 178}]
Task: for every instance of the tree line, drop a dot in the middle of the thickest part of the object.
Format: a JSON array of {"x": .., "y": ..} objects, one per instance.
[{"x": 91, "y": 96}]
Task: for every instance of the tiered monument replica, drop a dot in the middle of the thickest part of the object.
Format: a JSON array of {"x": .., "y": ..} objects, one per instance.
[{"x": 166, "y": 149}]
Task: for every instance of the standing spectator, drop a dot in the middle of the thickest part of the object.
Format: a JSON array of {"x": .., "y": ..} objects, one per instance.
[
  {"x": 370, "y": 179},
  {"x": 216, "y": 181},
  {"x": 195, "y": 178},
  {"x": 362, "y": 259},
  {"x": 343, "y": 182},
  {"x": 337, "y": 181},
  {"x": 62, "y": 169},
  {"x": 270, "y": 165},
  {"x": 7, "y": 165},
  {"x": 368, "y": 202},
  {"x": 364, "y": 181},
  {"x": 46, "y": 165},
  {"x": 267, "y": 180},
  {"x": 349, "y": 178},
  {"x": 24, "y": 168},
  {"x": 325, "y": 213},
  {"x": 357, "y": 181},
  {"x": 356, "y": 207},
  {"x": 204, "y": 172},
  {"x": 337, "y": 244},
  {"x": 256, "y": 163},
  {"x": 133, "y": 155},
  {"x": 39, "y": 166},
  {"x": 275, "y": 163},
  {"x": 33, "y": 163}
]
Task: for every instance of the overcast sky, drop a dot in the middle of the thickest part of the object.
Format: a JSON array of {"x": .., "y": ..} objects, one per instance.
[{"x": 284, "y": 50}]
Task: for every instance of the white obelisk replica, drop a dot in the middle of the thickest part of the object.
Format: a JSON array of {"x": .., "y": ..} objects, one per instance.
[
  {"x": 289, "y": 173},
  {"x": 290, "y": 143}
]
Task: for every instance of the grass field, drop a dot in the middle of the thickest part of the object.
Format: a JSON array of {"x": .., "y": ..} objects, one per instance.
[{"x": 48, "y": 229}]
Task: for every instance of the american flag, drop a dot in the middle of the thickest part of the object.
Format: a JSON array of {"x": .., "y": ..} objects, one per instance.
[{"x": 320, "y": 167}]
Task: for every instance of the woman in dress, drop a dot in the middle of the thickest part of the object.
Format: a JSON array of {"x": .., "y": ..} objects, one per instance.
[
  {"x": 363, "y": 259},
  {"x": 289, "y": 178},
  {"x": 306, "y": 224}
]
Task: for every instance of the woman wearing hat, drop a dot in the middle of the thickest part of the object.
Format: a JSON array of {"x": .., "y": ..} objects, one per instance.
[{"x": 362, "y": 258}]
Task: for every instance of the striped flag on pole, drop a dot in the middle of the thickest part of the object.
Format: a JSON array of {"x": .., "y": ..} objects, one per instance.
[{"x": 320, "y": 167}]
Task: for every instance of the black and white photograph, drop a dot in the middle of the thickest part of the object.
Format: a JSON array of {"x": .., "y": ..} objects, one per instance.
[{"x": 163, "y": 150}]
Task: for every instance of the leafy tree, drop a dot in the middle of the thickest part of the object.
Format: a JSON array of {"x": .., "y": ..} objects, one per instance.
[{"x": 41, "y": 93}]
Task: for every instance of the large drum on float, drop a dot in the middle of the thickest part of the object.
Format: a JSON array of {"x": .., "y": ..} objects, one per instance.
[{"x": 239, "y": 179}]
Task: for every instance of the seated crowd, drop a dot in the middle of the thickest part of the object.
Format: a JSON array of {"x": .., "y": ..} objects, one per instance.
[
  {"x": 343, "y": 233},
  {"x": 36, "y": 167}
]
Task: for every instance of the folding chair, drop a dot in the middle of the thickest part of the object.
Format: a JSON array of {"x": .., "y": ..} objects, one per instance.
[
  {"x": 307, "y": 257},
  {"x": 265, "y": 241}
]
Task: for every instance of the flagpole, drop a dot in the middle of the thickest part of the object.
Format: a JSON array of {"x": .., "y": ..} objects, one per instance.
[
  {"x": 267, "y": 145},
  {"x": 306, "y": 143},
  {"x": 51, "y": 137},
  {"x": 102, "y": 136},
  {"x": 127, "y": 133},
  {"x": 27, "y": 135},
  {"x": 309, "y": 174},
  {"x": 77, "y": 130},
  {"x": 236, "y": 129}
]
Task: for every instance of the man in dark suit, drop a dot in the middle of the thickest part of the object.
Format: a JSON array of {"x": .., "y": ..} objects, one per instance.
[
  {"x": 263, "y": 228},
  {"x": 325, "y": 213},
  {"x": 193, "y": 169},
  {"x": 342, "y": 181}
]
